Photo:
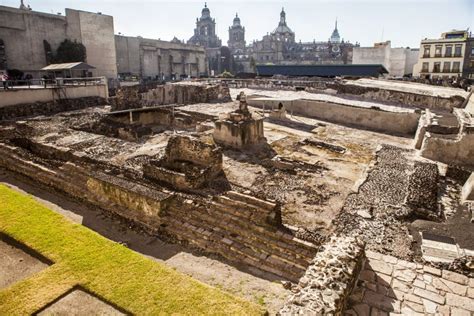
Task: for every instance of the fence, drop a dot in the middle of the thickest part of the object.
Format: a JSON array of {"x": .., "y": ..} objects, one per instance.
[{"x": 52, "y": 83}]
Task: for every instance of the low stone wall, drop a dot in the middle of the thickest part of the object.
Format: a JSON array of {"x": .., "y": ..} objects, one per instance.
[
  {"x": 403, "y": 98},
  {"x": 329, "y": 280},
  {"x": 44, "y": 108},
  {"x": 350, "y": 87},
  {"x": 152, "y": 95},
  {"x": 404, "y": 123},
  {"x": 453, "y": 149},
  {"x": 125, "y": 198},
  {"x": 55, "y": 94}
]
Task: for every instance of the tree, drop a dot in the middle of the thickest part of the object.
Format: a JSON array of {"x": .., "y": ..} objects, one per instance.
[{"x": 69, "y": 52}]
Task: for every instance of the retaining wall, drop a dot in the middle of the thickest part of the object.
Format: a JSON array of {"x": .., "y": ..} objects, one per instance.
[
  {"x": 56, "y": 94},
  {"x": 241, "y": 228},
  {"x": 398, "y": 123}
]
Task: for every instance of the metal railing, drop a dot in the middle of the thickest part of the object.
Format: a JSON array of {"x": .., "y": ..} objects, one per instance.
[{"x": 51, "y": 83}]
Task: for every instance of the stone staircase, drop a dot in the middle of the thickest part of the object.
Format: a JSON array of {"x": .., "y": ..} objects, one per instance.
[{"x": 242, "y": 229}]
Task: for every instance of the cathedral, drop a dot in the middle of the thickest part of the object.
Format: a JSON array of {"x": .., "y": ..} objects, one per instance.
[
  {"x": 278, "y": 47},
  {"x": 281, "y": 48},
  {"x": 205, "y": 31}
]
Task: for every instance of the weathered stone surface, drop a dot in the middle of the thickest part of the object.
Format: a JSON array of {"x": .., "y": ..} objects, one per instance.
[
  {"x": 460, "y": 312},
  {"x": 430, "y": 307},
  {"x": 382, "y": 302},
  {"x": 424, "y": 292},
  {"x": 429, "y": 295},
  {"x": 460, "y": 302},
  {"x": 432, "y": 270},
  {"x": 406, "y": 275},
  {"x": 382, "y": 267},
  {"x": 330, "y": 279},
  {"x": 455, "y": 277}
]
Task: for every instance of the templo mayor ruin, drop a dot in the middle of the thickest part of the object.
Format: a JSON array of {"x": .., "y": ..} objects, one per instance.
[{"x": 147, "y": 186}]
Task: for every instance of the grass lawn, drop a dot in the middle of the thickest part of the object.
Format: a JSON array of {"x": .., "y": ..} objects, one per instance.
[{"x": 105, "y": 268}]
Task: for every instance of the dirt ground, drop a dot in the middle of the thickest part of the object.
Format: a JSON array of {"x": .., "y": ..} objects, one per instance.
[
  {"x": 237, "y": 280},
  {"x": 16, "y": 265},
  {"x": 78, "y": 303},
  {"x": 311, "y": 198}
]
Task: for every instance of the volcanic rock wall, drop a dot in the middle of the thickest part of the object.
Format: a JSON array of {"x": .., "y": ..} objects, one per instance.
[{"x": 329, "y": 280}]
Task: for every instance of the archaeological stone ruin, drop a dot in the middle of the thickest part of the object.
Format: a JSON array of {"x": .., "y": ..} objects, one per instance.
[{"x": 353, "y": 197}]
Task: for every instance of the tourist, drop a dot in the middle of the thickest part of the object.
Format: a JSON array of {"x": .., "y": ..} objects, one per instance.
[{"x": 4, "y": 80}]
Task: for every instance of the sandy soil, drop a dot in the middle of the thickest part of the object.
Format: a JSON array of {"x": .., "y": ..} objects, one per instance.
[
  {"x": 78, "y": 303},
  {"x": 237, "y": 280},
  {"x": 16, "y": 265}
]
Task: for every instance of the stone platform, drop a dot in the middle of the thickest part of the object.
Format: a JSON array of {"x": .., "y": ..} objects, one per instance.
[{"x": 388, "y": 285}]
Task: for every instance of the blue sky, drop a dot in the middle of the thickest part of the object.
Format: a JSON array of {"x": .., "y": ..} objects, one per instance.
[{"x": 404, "y": 22}]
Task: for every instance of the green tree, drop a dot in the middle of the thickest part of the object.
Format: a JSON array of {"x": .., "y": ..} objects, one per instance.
[{"x": 69, "y": 52}]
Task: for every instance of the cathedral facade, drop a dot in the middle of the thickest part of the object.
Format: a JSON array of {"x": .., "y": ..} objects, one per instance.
[
  {"x": 281, "y": 48},
  {"x": 278, "y": 47}
]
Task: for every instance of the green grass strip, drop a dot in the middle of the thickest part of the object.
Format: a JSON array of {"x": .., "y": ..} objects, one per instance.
[{"x": 105, "y": 268}]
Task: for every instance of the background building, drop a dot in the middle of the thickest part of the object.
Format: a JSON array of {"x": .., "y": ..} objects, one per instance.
[
  {"x": 398, "y": 61},
  {"x": 280, "y": 48},
  {"x": 450, "y": 56},
  {"x": 156, "y": 59},
  {"x": 28, "y": 38},
  {"x": 205, "y": 36}
]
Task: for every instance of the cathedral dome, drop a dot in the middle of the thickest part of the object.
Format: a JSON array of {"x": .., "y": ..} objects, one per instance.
[
  {"x": 282, "y": 27},
  {"x": 236, "y": 20},
  {"x": 205, "y": 13}
]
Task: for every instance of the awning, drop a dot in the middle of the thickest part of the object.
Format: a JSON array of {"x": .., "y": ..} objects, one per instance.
[{"x": 68, "y": 66}]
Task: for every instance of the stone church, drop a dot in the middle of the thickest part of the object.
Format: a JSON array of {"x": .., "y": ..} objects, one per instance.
[{"x": 278, "y": 47}]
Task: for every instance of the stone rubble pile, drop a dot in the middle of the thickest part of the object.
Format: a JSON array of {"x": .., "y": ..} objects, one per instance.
[{"x": 329, "y": 280}]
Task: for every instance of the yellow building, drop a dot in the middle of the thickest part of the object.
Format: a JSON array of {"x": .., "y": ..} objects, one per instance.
[{"x": 450, "y": 56}]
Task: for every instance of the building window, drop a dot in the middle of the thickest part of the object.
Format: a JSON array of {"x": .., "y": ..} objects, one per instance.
[
  {"x": 438, "y": 49},
  {"x": 425, "y": 67},
  {"x": 449, "y": 51},
  {"x": 457, "y": 50},
  {"x": 472, "y": 51},
  {"x": 426, "y": 52},
  {"x": 437, "y": 67},
  {"x": 456, "y": 66},
  {"x": 446, "y": 66}
]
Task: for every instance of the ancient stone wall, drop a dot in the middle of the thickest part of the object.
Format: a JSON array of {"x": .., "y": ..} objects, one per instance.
[
  {"x": 239, "y": 135},
  {"x": 238, "y": 227},
  {"x": 392, "y": 122},
  {"x": 154, "y": 94},
  {"x": 43, "y": 108},
  {"x": 401, "y": 97},
  {"x": 242, "y": 229},
  {"x": 329, "y": 280},
  {"x": 188, "y": 163},
  {"x": 454, "y": 147}
]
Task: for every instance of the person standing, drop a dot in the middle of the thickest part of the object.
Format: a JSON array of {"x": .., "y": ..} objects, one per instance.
[{"x": 3, "y": 79}]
